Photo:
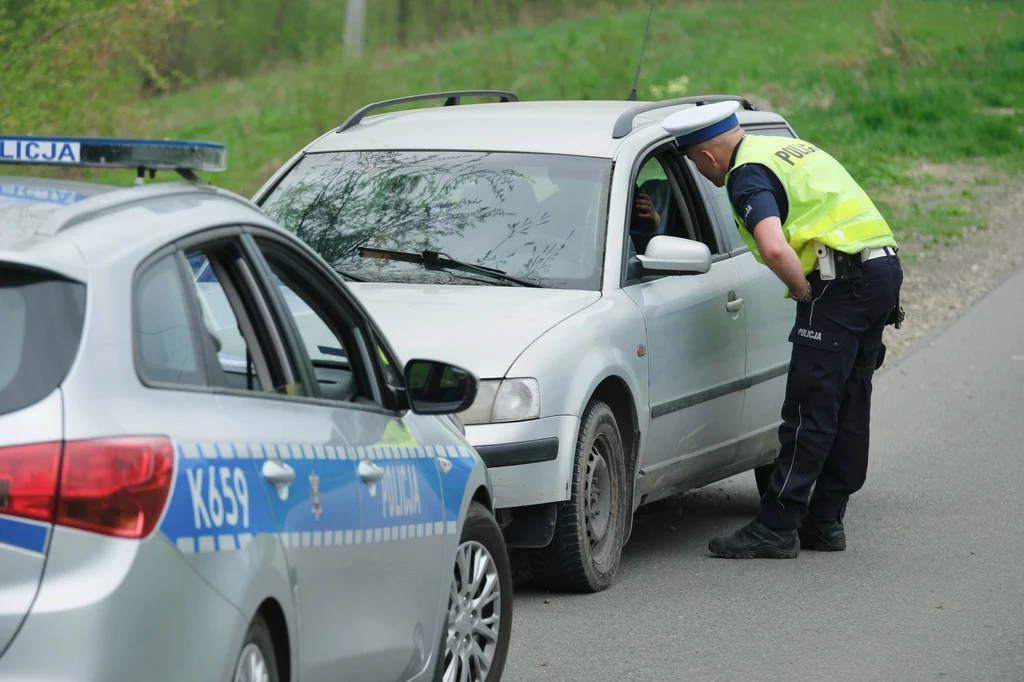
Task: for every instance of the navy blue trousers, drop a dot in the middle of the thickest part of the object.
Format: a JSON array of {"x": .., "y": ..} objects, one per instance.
[{"x": 826, "y": 411}]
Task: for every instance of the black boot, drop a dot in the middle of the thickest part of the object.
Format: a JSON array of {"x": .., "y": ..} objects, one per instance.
[
  {"x": 757, "y": 541},
  {"x": 821, "y": 535}
]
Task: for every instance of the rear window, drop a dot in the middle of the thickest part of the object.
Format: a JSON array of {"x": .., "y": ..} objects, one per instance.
[{"x": 41, "y": 320}]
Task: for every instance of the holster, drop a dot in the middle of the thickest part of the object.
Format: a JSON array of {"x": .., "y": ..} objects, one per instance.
[
  {"x": 867, "y": 363},
  {"x": 896, "y": 317}
]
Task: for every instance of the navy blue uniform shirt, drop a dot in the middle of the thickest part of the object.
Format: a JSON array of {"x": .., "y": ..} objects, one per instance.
[{"x": 756, "y": 193}]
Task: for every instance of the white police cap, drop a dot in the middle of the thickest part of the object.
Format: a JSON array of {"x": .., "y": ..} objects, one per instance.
[{"x": 696, "y": 124}]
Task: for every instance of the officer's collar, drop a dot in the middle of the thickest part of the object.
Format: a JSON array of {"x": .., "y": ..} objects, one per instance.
[{"x": 735, "y": 150}]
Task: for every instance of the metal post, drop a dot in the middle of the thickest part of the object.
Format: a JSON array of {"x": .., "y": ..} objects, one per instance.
[{"x": 355, "y": 27}]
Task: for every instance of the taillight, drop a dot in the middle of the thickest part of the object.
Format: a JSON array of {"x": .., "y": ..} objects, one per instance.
[
  {"x": 28, "y": 480},
  {"x": 113, "y": 486}
]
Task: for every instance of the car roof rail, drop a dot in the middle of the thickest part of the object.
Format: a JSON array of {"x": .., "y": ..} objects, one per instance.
[
  {"x": 452, "y": 98},
  {"x": 624, "y": 123}
]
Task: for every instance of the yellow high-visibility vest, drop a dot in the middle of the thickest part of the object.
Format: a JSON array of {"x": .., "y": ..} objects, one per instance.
[{"x": 825, "y": 203}]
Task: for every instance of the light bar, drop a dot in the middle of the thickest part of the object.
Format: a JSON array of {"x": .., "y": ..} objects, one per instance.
[{"x": 100, "y": 152}]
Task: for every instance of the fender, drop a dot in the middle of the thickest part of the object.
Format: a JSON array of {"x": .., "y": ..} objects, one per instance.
[{"x": 605, "y": 339}]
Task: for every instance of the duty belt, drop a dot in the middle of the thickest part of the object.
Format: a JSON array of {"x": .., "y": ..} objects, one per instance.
[
  {"x": 869, "y": 254},
  {"x": 848, "y": 266}
]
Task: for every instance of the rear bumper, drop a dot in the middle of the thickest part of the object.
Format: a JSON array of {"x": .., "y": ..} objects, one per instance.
[
  {"x": 529, "y": 462},
  {"x": 111, "y": 609}
]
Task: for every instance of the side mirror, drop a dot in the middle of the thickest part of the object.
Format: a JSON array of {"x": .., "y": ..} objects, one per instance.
[
  {"x": 439, "y": 388},
  {"x": 675, "y": 256}
]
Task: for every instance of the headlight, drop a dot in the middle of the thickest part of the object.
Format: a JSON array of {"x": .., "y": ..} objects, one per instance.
[{"x": 504, "y": 400}]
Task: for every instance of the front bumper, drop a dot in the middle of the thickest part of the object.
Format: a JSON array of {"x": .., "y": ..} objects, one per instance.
[
  {"x": 111, "y": 609},
  {"x": 529, "y": 462}
]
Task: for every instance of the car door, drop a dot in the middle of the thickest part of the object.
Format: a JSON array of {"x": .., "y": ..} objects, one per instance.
[
  {"x": 696, "y": 339},
  {"x": 768, "y": 317},
  {"x": 301, "y": 453},
  {"x": 217, "y": 515},
  {"x": 395, "y": 580}
]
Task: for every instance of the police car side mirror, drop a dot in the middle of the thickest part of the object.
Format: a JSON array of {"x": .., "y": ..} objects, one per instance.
[
  {"x": 439, "y": 388},
  {"x": 667, "y": 255}
]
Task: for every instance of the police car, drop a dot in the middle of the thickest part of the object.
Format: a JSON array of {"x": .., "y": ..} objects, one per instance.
[
  {"x": 629, "y": 345},
  {"x": 213, "y": 466}
]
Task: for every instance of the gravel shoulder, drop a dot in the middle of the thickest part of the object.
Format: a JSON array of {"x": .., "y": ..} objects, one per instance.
[{"x": 944, "y": 275}]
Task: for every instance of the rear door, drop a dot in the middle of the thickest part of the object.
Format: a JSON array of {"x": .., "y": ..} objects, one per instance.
[
  {"x": 768, "y": 316},
  {"x": 299, "y": 449},
  {"x": 41, "y": 317},
  {"x": 394, "y": 584}
]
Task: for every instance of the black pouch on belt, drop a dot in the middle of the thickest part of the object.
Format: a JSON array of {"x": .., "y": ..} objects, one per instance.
[
  {"x": 847, "y": 266},
  {"x": 867, "y": 363}
]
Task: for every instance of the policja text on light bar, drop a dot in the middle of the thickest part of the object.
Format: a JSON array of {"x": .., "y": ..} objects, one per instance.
[{"x": 98, "y": 152}]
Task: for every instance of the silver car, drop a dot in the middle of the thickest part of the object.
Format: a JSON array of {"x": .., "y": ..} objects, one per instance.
[
  {"x": 212, "y": 464},
  {"x": 629, "y": 350}
]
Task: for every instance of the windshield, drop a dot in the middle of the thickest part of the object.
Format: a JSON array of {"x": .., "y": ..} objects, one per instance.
[{"x": 538, "y": 217}]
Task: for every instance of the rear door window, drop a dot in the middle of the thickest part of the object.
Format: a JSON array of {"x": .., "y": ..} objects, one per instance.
[
  {"x": 197, "y": 324},
  {"x": 165, "y": 337},
  {"x": 41, "y": 317}
]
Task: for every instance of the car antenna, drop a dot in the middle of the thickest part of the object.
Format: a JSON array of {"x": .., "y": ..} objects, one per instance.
[{"x": 636, "y": 80}]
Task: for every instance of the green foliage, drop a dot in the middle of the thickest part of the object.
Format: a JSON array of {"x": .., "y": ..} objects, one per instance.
[
  {"x": 882, "y": 85},
  {"x": 69, "y": 69}
]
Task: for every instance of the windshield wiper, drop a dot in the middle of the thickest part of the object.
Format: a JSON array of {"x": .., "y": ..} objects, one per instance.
[{"x": 442, "y": 260}]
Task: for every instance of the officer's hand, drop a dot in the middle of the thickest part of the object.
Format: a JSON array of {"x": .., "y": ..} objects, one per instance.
[
  {"x": 645, "y": 208},
  {"x": 805, "y": 297}
]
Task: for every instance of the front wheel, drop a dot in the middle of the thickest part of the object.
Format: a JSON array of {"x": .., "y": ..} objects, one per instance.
[
  {"x": 256, "y": 662},
  {"x": 584, "y": 553},
  {"x": 479, "y": 602}
]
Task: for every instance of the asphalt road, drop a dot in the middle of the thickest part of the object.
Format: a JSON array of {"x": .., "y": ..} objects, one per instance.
[{"x": 931, "y": 586}]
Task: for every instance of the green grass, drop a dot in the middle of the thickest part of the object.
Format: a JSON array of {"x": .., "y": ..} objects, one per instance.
[
  {"x": 941, "y": 219},
  {"x": 881, "y": 93}
]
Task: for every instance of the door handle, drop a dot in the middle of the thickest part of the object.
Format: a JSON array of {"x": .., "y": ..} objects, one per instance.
[
  {"x": 733, "y": 306},
  {"x": 280, "y": 476},
  {"x": 370, "y": 472}
]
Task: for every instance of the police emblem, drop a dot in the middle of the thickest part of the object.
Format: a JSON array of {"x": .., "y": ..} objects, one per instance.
[{"x": 314, "y": 494}]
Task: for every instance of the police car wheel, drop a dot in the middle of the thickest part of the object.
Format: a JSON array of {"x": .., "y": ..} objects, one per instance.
[
  {"x": 583, "y": 555},
  {"x": 256, "y": 662},
  {"x": 479, "y": 603}
]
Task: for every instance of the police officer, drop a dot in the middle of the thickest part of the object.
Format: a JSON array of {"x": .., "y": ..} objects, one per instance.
[{"x": 806, "y": 219}]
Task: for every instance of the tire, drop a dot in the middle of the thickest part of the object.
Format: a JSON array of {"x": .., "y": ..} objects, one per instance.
[
  {"x": 572, "y": 562},
  {"x": 256, "y": 661},
  {"x": 481, "y": 540}
]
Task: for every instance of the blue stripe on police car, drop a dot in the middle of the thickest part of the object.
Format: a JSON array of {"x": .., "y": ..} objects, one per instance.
[
  {"x": 24, "y": 534},
  {"x": 219, "y": 501}
]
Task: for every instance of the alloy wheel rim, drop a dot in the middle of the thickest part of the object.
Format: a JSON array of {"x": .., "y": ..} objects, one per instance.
[
  {"x": 252, "y": 666},
  {"x": 474, "y": 615}
]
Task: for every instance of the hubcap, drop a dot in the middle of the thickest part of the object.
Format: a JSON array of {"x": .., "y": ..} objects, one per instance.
[
  {"x": 597, "y": 502},
  {"x": 252, "y": 667},
  {"x": 474, "y": 615}
]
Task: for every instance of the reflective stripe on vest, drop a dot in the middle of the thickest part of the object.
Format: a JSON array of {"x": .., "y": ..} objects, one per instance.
[{"x": 825, "y": 203}]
